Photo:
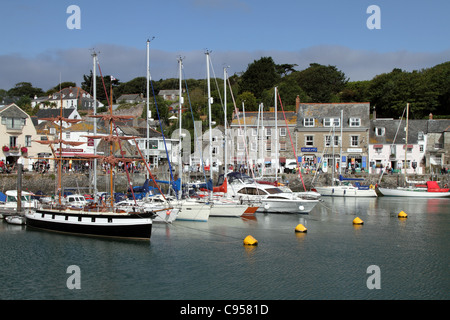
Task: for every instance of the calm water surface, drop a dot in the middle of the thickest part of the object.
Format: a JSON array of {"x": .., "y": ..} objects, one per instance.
[{"x": 207, "y": 260}]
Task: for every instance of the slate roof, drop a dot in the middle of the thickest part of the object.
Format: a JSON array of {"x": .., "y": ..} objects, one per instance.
[
  {"x": 13, "y": 111},
  {"x": 414, "y": 127},
  {"x": 251, "y": 118},
  {"x": 48, "y": 113},
  {"x": 320, "y": 111}
]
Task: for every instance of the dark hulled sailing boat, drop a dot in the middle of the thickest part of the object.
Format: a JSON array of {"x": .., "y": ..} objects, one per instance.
[{"x": 93, "y": 220}]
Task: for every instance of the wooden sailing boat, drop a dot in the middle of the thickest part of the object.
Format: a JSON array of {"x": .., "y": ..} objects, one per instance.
[{"x": 95, "y": 220}]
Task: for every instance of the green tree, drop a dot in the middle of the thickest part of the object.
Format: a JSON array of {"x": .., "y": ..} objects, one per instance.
[
  {"x": 249, "y": 100},
  {"x": 103, "y": 87},
  {"x": 321, "y": 83},
  {"x": 259, "y": 76},
  {"x": 24, "y": 89}
]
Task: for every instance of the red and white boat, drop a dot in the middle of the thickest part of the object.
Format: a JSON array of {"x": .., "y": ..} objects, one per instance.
[{"x": 429, "y": 190}]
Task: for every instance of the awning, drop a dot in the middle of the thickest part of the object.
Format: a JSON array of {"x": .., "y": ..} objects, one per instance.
[{"x": 378, "y": 146}]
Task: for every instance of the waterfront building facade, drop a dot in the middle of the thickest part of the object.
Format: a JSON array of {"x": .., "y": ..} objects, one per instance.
[{"x": 333, "y": 135}]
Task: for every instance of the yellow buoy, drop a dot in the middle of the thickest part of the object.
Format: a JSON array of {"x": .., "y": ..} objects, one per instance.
[
  {"x": 357, "y": 221},
  {"x": 300, "y": 228},
  {"x": 402, "y": 214},
  {"x": 250, "y": 241}
]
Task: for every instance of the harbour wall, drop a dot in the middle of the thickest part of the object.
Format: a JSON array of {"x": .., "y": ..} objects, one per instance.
[{"x": 78, "y": 182}]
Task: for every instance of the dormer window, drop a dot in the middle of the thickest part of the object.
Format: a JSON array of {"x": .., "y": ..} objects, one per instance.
[
  {"x": 308, "y": 122},
  {"x": 330, "y": 122},
  {"x": 379, "y": 131},
  {"x": 355, "y": 122}
]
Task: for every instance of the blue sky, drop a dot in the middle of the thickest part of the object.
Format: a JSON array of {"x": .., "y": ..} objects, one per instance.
[{"x": 37, "y": 46}]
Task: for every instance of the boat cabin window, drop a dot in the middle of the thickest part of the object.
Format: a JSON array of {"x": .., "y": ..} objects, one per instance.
[
  {"x": 252, "y": 191},
  {"x": 274, "y": 190}
]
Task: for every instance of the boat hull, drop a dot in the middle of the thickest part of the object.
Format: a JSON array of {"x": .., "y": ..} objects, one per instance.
[
  {"x": 286, "y": 206},
  {"x": 130, "y": 226},
  {"x": 345, "y": 191},
  {"x": 193, "y": 211},
  {"x": 230, "y": 209},
  {"x": 412, "y": 193}
]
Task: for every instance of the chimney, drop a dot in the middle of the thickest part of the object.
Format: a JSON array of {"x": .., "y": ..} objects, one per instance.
[
  {"x": 430, "y": 116},
  {"x": 297, "y": 104}
]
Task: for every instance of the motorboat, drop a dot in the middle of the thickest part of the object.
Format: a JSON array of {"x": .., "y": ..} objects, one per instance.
[
  {"x": 9, "y": 205},
  {"x": 268, "y": 198},
  {"x": 345, "y": 188}
]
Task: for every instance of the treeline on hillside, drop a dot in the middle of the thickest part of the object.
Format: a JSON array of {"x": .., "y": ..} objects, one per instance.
[{"x": 427, "y": 90}]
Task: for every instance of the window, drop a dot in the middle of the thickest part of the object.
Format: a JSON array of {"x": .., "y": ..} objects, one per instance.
[
  {"x": 269, "y": 146},
  {"x": 282, "y": 132},
  {"x": 27, "y": 141},
  {"x": 378, "y": 149},
  {"x": 254, "y": 146},
  {"x": 354, "y": 141},
  {"x": 308, "y": 122},
  {"x": 214, "y": 151},
  {"x": 421, "y": 147},
  {"x": 309, "y": 140},
  {"x": 355, "y": 122},
  {"x": 67, "y": 135},
  {"x": 282, "y": 145},
  {"x": 12, "y": 141},
  {"x": 254, "y": 132},
  {"x": 240, "y": 132},
  {"x": 420, "y": 135},
  {"x": 13, "y": 123},
  {"x": 329, "y": 122},
  {"x": 268, "y": 132},
  {"x": 328, "y": 141},
  {"x": 379, "y": 131},
  {"x": 240, "y": 146}
]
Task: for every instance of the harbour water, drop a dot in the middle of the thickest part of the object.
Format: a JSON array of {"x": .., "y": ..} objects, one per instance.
[{"x": 208, "y": 261}]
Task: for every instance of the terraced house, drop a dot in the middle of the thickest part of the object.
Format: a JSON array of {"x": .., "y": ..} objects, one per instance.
[
  {"x": 333, "y": 134},
  {"x": 263, "y": 139}
]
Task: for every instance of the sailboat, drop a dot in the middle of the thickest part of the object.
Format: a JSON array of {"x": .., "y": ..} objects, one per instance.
[
  {"x": 103, "y": 221},
  {"x": 429, "y": 190}
]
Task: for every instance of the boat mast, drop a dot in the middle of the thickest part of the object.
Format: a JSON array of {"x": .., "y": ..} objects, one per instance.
[
  {"x": 340, "y": 143},
  {"x": 147, "y": 155},
  {"x": 60, "y": 144},
  {"x": 111, "y": 187},
  {"x": 225, "y": 153},
  {"x": 406, "y": 138},
  {"x": 94, "y": 78},
  {"x": 209, "y": 111},
  {"x": 277, "y": 160},
  {"x": 180, "y": 101}
]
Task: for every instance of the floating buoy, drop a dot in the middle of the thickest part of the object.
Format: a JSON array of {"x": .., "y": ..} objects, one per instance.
[
  {"x": 266, "y": 206},
  {"x": 402, "y": 214},
  {"x": 301, "y": 208},
  {"x": 300, "y": 228},
  {"x": 357, "y": 221},
  {"x": 250, "y": 241}
]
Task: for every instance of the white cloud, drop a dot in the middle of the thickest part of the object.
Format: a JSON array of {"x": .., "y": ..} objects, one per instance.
[{"x": 126, "y": 63}]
